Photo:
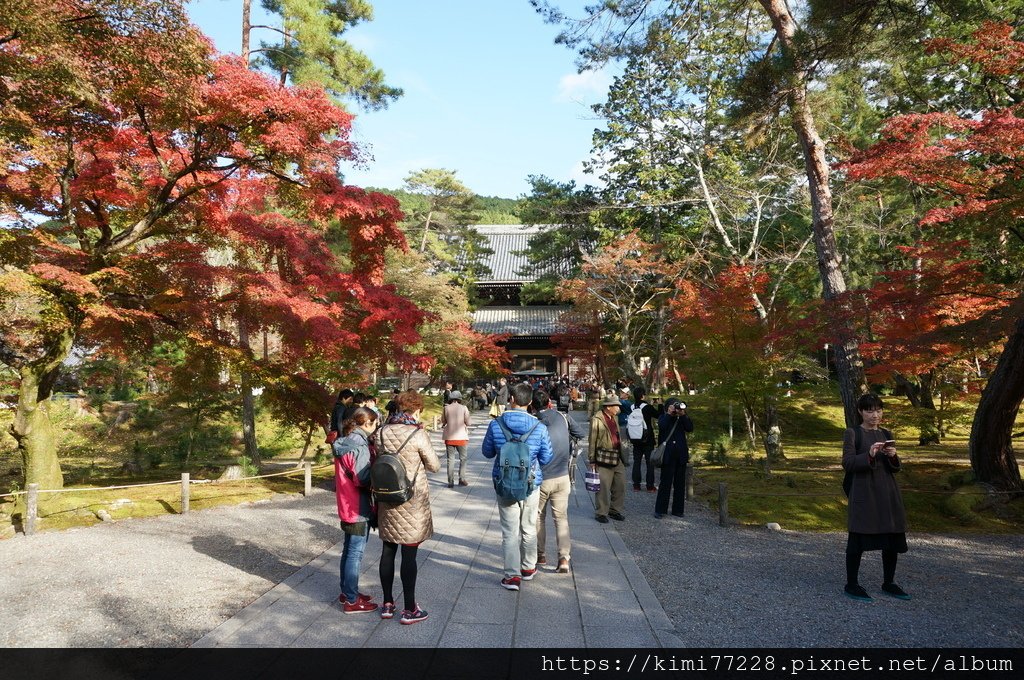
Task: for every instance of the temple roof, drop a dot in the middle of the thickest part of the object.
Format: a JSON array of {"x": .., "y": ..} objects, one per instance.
[
  {"x": 507, "y": 241},
  {"x": 518, "y": 321}
]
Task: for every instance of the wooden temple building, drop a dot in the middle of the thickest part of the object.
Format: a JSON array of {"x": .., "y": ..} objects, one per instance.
[{"x": 529, "y": 327}]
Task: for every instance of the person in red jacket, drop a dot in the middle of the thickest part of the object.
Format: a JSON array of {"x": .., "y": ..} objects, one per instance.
[{"x": 352, "y": 487}]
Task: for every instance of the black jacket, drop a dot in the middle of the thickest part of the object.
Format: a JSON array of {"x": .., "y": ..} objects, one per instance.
[{"x": 677, "y": 445}]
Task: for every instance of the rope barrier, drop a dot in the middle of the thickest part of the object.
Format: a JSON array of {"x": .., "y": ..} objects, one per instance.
[
  {"x": 734, "y": 492},
  {"x": 177, "y": 482}
]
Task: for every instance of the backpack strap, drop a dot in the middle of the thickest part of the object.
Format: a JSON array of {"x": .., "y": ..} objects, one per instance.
[
  {"x": 407, "y": 440},
  {"x": 671, "y": 431},
  {"x": 510, "y": 436}
]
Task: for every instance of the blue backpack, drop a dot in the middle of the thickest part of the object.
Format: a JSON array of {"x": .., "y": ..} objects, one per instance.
[{"x": 515, "y": 481}]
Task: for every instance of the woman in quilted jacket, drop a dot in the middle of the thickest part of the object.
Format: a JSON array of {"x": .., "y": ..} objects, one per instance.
[{"x": 407, "y": 524}]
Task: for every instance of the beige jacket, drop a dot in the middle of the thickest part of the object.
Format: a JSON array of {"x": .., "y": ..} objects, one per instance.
[
  {"x": 600, "y": 437},
  {"x": 410, "y": 522},
  {"x": 455, "y": 422}
]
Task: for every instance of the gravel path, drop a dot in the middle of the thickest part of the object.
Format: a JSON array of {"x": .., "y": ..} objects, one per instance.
[
  {"x": 159, "y": 581},
  {"x": 753, "y": 587}
]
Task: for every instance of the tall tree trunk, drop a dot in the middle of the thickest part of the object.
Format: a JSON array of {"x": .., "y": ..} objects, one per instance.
[
  {"x": 991, "y": 435},
  {"x": 849, "y": 365},
  {"x": 309, "y": 439},
  {"x": 426, "y": 228},
  {"x": 655, "y": 375},
  {"x": 628, "y": 352},
  {"x": 750, "y": 417},
  {"x": 246, "y": 29},
  {"x": 33, "y": 429},
  {"x": 252, "y": 451}
]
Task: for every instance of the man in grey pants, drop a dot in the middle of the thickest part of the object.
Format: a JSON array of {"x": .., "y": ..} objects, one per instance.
[{"x": 555, "y": 488}]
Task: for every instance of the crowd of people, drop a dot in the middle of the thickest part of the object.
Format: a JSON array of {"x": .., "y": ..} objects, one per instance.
[{"x": 533, "y": 443}]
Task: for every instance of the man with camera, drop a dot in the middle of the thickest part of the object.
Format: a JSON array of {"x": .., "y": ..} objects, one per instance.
[{"x": 672, "y": 428}]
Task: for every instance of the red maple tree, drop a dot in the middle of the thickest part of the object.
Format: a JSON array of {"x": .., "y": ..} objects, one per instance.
[
  {"x": 973, "y": 162},
  {"x": 159, "y": 187}
]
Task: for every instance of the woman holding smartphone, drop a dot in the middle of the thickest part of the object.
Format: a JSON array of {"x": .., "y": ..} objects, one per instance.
[{"x": 875, "y": 517}]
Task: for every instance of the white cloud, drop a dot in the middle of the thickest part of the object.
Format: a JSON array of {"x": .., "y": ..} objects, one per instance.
[{"x": 579, "y": 87}]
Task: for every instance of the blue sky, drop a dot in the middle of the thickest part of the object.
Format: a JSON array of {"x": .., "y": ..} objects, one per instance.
[{"x": 487, "y": 92}]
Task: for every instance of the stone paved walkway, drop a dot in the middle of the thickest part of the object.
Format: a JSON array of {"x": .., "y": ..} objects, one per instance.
[{"x": 604, "y": 602}]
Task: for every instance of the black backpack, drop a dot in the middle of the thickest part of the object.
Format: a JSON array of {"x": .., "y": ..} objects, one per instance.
[
  {"x": 857, "y": 439},
  {"x": 389, "y": 481}
]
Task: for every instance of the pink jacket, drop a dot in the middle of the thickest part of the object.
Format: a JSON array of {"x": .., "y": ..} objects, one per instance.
[
  {"x": 352, "y": 459},
  {"x": 455, "y": 422}
]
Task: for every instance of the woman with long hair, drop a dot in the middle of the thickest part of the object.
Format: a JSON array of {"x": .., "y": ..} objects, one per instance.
[{"x": 407, "y": 524}]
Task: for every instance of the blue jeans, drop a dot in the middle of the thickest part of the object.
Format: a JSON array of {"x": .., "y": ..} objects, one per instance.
[
  {"x": 519, "y": 533},
  {"x": 351, "y": 560}
]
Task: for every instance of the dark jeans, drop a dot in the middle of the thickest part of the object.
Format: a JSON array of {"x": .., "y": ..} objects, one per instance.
[
  {"x": 641, "y": 452},
  {"x": 673, "y": 483}
]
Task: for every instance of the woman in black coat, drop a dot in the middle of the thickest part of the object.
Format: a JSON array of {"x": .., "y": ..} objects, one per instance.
[
  {"x": 673, "y": 425},
  {"x": 876, "y": 518}
]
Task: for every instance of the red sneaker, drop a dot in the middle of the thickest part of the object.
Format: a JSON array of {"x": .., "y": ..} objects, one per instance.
[
  {"x": 528, "y": 574},
  {"x": 358, "y": 607},
  {"x": 510, "y": 583}
]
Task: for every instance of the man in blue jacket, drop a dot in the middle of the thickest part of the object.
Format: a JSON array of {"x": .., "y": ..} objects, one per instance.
[{"x": 519, "y": 518}]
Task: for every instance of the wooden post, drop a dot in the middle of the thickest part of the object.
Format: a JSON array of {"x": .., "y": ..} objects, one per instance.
[
  {"x": 31, "y": 509},
  {"x": 689, "y": 481},
  {"x": 184, "y": 492},
  {"x": 723, "y": 504},
  {"x": 309, "y": 478}
]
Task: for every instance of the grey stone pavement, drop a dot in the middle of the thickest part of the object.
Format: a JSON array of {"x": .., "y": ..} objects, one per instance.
[{"x": 604, "y": 601}]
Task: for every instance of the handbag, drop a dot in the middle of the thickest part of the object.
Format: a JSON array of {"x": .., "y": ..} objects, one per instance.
[
  {"x": 593, "y": 481},
  {"x": 606, "y": 457},
  {"x": 495, "y": 411},
  {"x": 658, "y": 455}
]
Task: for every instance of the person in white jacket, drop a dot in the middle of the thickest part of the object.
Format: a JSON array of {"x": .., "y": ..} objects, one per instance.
[{"x": 455, "y": 432}]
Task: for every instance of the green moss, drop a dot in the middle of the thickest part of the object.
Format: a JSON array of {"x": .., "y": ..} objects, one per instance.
[{"x": 804, "y": 492}]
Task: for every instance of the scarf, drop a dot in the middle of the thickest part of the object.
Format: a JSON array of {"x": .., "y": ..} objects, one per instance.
[
  {"x": 402, "y": 418},
  {"x": 613, "y": 428}
]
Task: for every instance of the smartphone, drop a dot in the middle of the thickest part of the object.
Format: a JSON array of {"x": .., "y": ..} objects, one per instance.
[{"x": 889, "y": 442}]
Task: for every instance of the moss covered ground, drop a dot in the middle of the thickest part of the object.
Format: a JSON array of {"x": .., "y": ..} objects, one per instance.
[{"x": 804, "y": 491}]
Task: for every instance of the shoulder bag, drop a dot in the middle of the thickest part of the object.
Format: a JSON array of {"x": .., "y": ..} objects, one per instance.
[{"x": 658, "y": 455}]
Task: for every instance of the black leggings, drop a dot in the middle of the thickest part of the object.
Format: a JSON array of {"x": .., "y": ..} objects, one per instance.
[
  {"x": 408, "y": 573},
  {"x": 888, "y": 566}
]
